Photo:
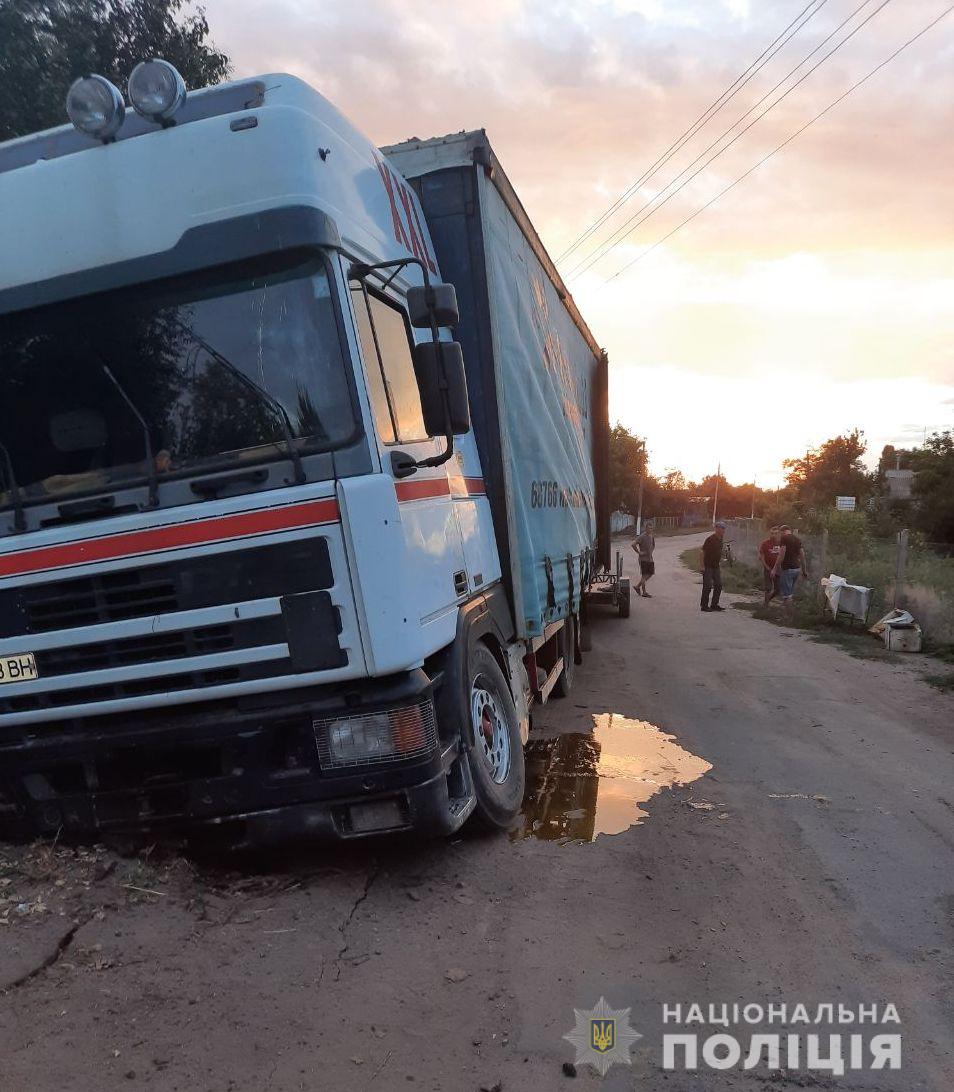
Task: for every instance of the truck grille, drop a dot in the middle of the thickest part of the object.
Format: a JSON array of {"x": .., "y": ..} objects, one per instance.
[
  {"x": 303, "y": 621},
  {"x": 163, "y": 646},
  {"x": 135, "y": 688},
  {"x": 232, "y": 576},
  {"x": 111, "y": 597}
]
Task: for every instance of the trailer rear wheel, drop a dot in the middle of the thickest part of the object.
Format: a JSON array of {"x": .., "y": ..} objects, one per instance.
[
  {"x": 496, "y": 755},
  {"x": 623, "y": 600},
  {"x": 564, "y": 683}
]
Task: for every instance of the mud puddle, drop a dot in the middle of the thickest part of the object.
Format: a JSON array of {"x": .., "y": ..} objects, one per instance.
[{"x": 583, "y": 784}]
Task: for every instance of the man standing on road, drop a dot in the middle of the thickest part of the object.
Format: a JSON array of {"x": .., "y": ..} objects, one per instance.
[
  {"x": 711, "y": 572},
  {"x": 793, "y": 564},
  {"x": 644, "y": 545},
  {"x": 770, "y": 553}
]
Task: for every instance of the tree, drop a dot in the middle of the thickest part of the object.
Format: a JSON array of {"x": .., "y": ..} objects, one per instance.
[
  {"x": 46, "y": 44},
  {"x": 833, "y": 470},
  {"x": 628, "y": 461},
  {"x": 673, "y": 481},
  {"x": 934, "y": 487}
]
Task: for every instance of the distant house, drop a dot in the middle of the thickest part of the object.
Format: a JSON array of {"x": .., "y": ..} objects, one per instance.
[{"x": 899, "y": 483}]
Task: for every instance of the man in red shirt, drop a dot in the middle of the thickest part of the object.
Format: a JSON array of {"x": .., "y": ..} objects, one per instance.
[{"x": 770, "y": 555}]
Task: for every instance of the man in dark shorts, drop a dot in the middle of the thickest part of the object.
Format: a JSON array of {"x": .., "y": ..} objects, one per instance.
[
  {"x": 793, "y": 564},
  {"x": 711, "y": 572},
  {"x": 644, "y": 545},
  {"x": 770, "y": 553}
]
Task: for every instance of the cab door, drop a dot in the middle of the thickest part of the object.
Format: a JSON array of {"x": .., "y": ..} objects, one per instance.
[{"x": 437, "y": 570}]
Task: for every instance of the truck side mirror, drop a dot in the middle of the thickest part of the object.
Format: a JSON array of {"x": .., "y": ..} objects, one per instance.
[
  {"x": 439, "y": 368},
  {"x": 437, "y": 301}
]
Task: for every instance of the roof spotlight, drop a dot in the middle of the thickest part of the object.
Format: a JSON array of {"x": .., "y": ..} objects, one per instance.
[
  {"x": 96, "y": 107},
  {"x": 156, "y": 90}
]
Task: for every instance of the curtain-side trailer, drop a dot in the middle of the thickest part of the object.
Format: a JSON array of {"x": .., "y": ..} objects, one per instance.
[{"x": 536, "y": 376}]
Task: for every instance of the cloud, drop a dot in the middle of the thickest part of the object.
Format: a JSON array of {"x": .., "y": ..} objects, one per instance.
[{"x": 829, "y": 267}]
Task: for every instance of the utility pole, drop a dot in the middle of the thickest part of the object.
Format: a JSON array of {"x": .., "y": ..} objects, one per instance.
[
  {"x": 753, "y": 495},
  {"x": 715, "y": 499},
  {"x": 639, "y": 506}
]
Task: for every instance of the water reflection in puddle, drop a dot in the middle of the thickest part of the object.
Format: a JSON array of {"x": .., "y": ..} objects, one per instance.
[{"x": 583, "y": 784}]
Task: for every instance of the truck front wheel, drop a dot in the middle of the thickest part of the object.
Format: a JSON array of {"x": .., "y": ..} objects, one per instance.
[{"x": 496, "y": 755}]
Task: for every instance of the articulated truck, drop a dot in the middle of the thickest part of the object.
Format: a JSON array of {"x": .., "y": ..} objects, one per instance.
[{"x": 303, "y": 454}]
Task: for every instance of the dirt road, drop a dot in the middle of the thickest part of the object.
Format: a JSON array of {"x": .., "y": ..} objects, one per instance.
[{"x": 813, "y": 863}]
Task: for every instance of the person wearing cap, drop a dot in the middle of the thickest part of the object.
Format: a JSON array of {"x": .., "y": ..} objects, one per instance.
[{"x": 711, "y": 568}]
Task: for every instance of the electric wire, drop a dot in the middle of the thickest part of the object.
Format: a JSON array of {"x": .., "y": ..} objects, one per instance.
[
  {"x": 657, "y": 201},
  {"x": 706, "y": 116},
  {"x": 798, "y": 132}
]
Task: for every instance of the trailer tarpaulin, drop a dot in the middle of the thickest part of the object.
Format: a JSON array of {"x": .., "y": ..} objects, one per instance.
[
  {"x": 545, "y": 372},
  {"x": 537, "y": 378}
]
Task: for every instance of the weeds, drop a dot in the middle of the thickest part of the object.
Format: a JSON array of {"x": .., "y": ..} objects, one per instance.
[
  {"x": 809, "y": 615},
  {"x": 941, "y": 682}
]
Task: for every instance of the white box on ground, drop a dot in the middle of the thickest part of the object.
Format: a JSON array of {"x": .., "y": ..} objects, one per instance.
[{"x": 902, "y": 638}]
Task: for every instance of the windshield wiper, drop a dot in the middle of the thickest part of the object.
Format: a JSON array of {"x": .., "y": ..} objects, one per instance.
[
  {"x": 19, "y": 516},
  {"x": 151, "y": 473},
  {"x": 269, "y": 399},
  {"x": 150, "y": 460}
]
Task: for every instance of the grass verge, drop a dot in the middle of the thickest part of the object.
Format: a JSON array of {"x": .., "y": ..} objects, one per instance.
[
  {"x": 943, "y": 681},
  {"x": 809, "y": 617},
  {"x": 678, "y": 532}
]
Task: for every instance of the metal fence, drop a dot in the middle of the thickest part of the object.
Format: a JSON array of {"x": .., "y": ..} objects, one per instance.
[
  {"x": 625, "y": 521},
  {"x": 621, "y": 521},
  {"x": 901, "y": 571}
]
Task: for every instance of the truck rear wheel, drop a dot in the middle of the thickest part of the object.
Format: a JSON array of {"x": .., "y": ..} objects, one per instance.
[
  {"x": 496, "y": 755},
  {"x": 564, "y": 683}
]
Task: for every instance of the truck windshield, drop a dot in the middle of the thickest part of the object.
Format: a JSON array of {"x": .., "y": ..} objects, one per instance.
[{"x": 206, "y": 363}]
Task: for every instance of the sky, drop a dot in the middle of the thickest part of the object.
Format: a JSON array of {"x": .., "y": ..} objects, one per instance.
[{"x": 815, "y": 297}]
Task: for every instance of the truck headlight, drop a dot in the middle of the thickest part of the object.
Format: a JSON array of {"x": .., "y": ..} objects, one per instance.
[
  {"x": 360, "y": 739},
  {"x": 370, "y": 738},
  {"x": 156, "y": 90},
  {"x": 95, "y": 107}
]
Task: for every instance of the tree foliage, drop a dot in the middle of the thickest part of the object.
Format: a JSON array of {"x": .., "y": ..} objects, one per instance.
[
  {"x": 832, "y": 470},
  {"x": 46, "y": 44},
  {"x": 628, "y": 460},
  {"x": 934, "y": 487}
]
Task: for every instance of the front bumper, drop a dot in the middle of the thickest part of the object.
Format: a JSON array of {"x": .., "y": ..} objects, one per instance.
[{"x": 247, "y": 769}]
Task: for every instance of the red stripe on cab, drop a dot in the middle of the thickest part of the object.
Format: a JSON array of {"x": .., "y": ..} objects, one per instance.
[
  {"x": 422, "y": 489},
  {"x": 429, "y": 488},
  {"x": 175, "y": 536}
]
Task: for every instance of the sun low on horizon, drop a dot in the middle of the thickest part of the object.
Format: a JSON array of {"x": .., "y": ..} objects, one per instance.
[{"x": 753, "y": 302}]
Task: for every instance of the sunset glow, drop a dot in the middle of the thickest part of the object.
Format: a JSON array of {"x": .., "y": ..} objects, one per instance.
[{"x": 816, "y": 296}]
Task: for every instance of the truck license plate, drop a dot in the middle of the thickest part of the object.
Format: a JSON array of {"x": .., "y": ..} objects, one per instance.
[{"x": 20, "y": 668}]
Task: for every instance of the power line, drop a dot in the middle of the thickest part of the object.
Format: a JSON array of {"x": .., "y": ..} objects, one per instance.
[
  {"x": 702, "y": 120},
  {"x": 652, "y": 206},
  {"x": 785, "y": 143},
  {"x": 658, "y": 200}
]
